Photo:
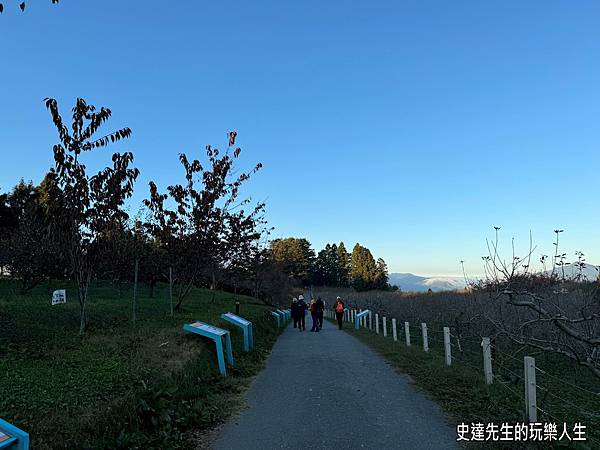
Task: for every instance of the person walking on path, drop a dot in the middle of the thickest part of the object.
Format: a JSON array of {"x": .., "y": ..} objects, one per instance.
[
  {"x": 320, "y": 311},
  {"x": 301, "y": 310},
  {"x": 314, "y": 313},
  {"x": 294, "y": 308},
  {"x": 339, "y": 312}
]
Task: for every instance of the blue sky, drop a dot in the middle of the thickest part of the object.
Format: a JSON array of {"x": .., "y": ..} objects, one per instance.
[{"x": 411, "y": 127}]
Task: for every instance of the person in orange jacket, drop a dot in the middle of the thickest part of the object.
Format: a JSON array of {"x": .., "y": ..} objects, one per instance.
[{"x": 339, "y": 312}]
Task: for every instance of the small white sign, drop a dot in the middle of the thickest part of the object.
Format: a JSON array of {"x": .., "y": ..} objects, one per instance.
[{"x": 59, "y": 296}]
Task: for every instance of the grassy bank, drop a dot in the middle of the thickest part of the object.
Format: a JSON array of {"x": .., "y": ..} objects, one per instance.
[
  {"x": 121, "y": 385},
  {"x": 462, "y": 393}
]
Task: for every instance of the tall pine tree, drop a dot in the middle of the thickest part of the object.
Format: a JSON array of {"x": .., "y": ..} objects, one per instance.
[
  {"x": 363, "y": 269},
  {"x": 344, "y": 259}
]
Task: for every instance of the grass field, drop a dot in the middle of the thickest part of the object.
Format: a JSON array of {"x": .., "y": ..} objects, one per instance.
[
  {"x": 120, "y": 385},
  {"x": 566, "y": 393}
]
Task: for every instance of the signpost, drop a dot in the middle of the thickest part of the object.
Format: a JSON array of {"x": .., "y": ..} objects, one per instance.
[
  {"x": 59, "y": 296},
  {"x": 216, "y": 334},
  {"x": 12, "y": 437},
  {"x": 245, "y": 325},
  {"x": 359, "y": 317}
]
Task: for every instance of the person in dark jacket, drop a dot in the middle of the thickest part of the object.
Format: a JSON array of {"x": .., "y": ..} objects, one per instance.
[
  {"x": 294, "y": 308},
  {"x": 320, "y": 311},
  {"x": 301, "y": 308},
  {"x": 314, "y": 313},
  {"x": 339, "y": 311}
]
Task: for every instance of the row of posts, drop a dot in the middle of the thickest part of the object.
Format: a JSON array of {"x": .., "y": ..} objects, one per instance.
[{"x": 529, "y": 362}]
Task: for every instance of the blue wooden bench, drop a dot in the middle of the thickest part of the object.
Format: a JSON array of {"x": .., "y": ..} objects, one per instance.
[
  {"x": 216, "y": 334},
  {"x": 283, "y": 315},
  {"x": 12, "y": 438},
  {"x": 245, "y": 325}
]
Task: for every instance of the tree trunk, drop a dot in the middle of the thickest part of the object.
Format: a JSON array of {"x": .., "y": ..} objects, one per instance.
[
  {"x": 83, "y": 285},
  {"x": 171, "y": 289},
  {"x": 135, "y": 283},
  {"x": 183, "y": 291},
  {"x": 214, "y": 287},
  {"x": 81, "y": 290},
  {"x": 152, "y": 285}
]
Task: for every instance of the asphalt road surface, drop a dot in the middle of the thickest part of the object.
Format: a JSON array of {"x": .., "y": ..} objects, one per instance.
[{"x": 328, "y": 390}]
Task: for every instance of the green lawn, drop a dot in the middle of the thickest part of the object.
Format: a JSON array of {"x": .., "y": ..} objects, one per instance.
[
  {"x": 462, "y": 393},
  {"x": 147, "y": 385}
]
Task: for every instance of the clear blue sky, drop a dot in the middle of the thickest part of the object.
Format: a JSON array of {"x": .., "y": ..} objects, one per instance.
[{"x": 411, "y": 127}]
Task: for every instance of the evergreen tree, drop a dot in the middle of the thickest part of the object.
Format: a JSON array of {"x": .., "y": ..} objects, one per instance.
[
  {"x": 343, "y": 263},
  {"x": 296, "y": 258},
  {"x": 381, "y": 280},
  {"x": 363, "y": 269},
  {"x": 322, "y": 270}
]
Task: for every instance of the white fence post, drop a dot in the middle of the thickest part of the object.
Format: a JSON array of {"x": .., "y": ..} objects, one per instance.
[
  {"x": 487, "y": 360},
  {"x": 530, "y": 393},
  {"x": 377, "y": 323},
  {"x": 425, "y": 338},
  {"x": 447, "y": 347},
  {"x": 384, "y": 326},
  {"x": 361, "y": 319},
  {"x": 394, "y": 330},
  {"x": 370, "y": 321},
  {"x": 407, "y": 333}
]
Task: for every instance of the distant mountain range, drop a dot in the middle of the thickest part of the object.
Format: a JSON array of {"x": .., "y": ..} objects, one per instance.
[
  {"x": 589, "y": 272},
  {"x": 409, "y": 282}
]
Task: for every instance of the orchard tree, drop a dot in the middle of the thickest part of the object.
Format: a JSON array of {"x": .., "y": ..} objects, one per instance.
[
  {"x": 194, "y": 233},
  {"x": 240, "y": 242},
  {"x": 84, "y": 207},
  {"x": 8, "y": 223},
  {"x": 116, "y": 254},
  {"x": 30, "y": 252}
]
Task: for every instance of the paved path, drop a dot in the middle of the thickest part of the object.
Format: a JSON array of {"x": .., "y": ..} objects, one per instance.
[{"x": 328, "y": 390}]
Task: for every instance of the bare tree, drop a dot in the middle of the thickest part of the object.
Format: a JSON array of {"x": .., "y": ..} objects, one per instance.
[{"x": 548, "y": 312}]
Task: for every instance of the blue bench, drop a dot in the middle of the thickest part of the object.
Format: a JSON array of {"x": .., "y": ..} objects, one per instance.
[
  {"x": 12, "y": 438},
  {"x": 245, "y": 325},
  {"x": 216, "y": 334},
  {"x": 283, "y": 314},
  {"x": 278, "y": 317}
]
